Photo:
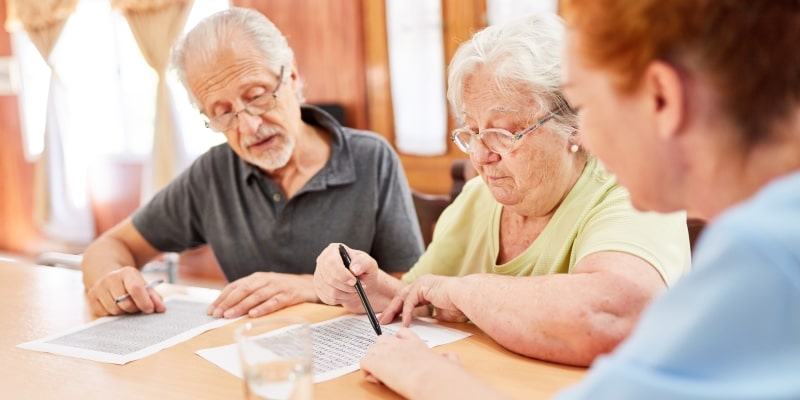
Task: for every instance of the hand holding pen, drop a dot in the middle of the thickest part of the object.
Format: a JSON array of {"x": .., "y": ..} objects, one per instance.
[
  {"x": 126, "y": 282},
  {"x": 149, "y": 286},
  {"x": 361, "y": 294}
]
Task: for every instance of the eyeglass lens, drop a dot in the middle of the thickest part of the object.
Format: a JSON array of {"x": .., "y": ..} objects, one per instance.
[
  {"x": 496, "y": 140},
  {"x": 258, "y": 106}
]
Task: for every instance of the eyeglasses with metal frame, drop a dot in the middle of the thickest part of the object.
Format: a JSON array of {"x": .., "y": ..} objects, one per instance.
[
  {"x": 256, "y": 107},
  {"x": 497, "y": 140}
]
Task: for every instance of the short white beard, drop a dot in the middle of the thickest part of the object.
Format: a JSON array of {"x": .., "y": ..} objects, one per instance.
[{"x": 274, "y": 158}]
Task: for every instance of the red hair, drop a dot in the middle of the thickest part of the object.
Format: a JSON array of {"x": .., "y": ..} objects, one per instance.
[{"x": 749, "y": 50}]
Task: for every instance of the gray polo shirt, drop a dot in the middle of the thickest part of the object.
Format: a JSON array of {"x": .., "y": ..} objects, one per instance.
[{"x": 360, "y": 197}]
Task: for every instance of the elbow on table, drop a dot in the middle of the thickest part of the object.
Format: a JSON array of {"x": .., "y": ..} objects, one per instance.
[
  {"x": 598, "y": 339},
  {"x": 579, "y": 344},
  {"x": 600, "y": 333}
]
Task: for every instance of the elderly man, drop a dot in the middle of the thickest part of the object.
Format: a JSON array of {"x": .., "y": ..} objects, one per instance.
[{"x": 289, "y": 181}]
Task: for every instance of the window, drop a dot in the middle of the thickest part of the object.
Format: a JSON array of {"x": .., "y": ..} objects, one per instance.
[
  {"x": 110, "y": 101},
  {"x": 100, "y": 104}
]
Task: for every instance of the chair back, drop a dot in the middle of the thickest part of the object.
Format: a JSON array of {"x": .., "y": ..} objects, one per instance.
[
  {"x": 695, "y": 226},
  {"x": 430, "y": 206}
]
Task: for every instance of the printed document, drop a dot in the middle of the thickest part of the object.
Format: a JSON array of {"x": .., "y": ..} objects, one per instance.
[
  {"x": 121, "y": 339},
  {"x": 339, "y": 344}
]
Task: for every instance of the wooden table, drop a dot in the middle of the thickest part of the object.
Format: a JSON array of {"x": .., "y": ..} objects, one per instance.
[{"x": 37, "y": 301}]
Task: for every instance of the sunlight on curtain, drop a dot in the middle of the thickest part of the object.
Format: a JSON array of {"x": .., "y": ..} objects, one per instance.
[
  {"x": 110, "y": 92},
  {"x": 67, "y": 219},
  {"x": 114, "y": 106},
  {"x": 34, "y": 82},
  {"x": 156, "y": 24}
]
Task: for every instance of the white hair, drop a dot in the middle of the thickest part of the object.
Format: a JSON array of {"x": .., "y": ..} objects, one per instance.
[
  {"x": 227, "y": 28},
  {"x": 524, "y": 57}
]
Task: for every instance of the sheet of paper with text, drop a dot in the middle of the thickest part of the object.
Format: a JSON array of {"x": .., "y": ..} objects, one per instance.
[
  {"x": 121, "y": 339},
  {"x": 339, "y": 344}
]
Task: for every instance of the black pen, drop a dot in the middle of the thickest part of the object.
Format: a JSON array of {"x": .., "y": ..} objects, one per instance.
[{"x": 360, "y": 289}]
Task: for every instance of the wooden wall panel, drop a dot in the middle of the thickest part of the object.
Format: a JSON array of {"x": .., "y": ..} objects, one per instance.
[
  {"x": 328, "y": 42},
  {"x": 379, "y": 89}
]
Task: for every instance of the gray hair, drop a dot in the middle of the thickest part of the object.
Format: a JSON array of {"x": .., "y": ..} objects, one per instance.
[
  {"x": 525, "y": 57},
  {"x": 224, "y": 28}
]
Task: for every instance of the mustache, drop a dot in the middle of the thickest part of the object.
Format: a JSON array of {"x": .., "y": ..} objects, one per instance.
[{"x": 264, "y": 132}]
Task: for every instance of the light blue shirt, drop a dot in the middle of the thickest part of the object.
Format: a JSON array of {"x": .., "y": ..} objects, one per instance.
[{"x": 731, "y": 328}]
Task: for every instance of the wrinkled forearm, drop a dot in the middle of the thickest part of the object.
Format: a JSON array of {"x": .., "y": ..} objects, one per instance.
[{"x": 569, "y": 319}]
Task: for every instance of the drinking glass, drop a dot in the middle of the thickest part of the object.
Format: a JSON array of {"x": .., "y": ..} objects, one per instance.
[{"x": 276, "y": 355}]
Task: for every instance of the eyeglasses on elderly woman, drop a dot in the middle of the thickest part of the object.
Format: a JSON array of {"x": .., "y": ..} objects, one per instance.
[{"x": 497, "y": 140}]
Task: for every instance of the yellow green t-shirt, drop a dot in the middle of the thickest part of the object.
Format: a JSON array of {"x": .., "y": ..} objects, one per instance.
[{"x": 595, "y": 216}]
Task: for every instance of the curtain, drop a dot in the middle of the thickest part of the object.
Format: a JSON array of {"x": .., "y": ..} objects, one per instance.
[
  {"x": 156, "y": 24},
  {"x": 67, "y": 219}
]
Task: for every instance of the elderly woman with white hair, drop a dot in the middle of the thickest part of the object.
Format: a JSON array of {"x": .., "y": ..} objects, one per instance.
[{"x": 543, "y": 251}]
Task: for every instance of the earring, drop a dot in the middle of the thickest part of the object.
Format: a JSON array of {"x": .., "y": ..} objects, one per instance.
[{"x": 574, "y": 148}]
